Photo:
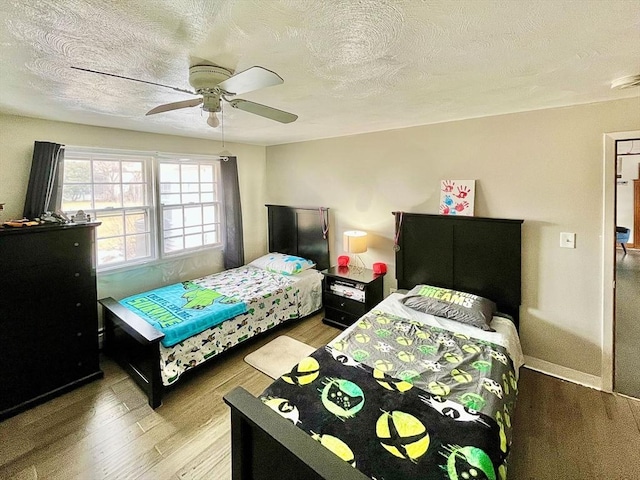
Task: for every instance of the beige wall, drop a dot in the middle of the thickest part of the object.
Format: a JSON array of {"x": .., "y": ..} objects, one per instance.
[
  {"x": 17, "y": 135},
  {"x": 545, "y": 167}
]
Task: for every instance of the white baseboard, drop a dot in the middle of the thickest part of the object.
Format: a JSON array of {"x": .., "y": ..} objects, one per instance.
[{"x": 564, "y": 373}]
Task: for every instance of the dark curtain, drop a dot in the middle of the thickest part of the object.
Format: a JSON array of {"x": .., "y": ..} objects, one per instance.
[
  {"x": 41, "y": 191},
  {"x": 234, "y": 244}
]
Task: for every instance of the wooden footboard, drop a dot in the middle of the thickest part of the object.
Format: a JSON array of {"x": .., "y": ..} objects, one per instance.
[
  {"x": 265, "y": 445},
  {"x": 135, "y": 345}
]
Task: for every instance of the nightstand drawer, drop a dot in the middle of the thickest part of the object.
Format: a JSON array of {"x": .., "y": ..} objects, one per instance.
[
  {"x": 340, "y": 317},
  {"x": 344, "y": 304}
]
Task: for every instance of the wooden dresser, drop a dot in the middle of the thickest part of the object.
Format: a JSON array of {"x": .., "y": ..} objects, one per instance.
[{"x": 48, "y": 313}]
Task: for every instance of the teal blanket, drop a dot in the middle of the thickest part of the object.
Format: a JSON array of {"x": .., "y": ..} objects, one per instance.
[{"x": 183, "y": 309}]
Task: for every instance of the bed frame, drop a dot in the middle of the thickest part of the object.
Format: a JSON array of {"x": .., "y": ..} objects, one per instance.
[
  {"x": 471, "y": 254},
  {"x": 474, "y": 254},
  {"x": 135, "y": 344}
]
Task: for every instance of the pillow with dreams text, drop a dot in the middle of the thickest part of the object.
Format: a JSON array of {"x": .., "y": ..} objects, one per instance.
[
  {"x": 282, "y": 263},
  {"x": 451, "y": 304}
]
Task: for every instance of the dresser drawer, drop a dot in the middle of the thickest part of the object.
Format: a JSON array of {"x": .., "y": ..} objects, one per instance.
[
  {"x": 340, "y": 317},
  {"x": 42, "y": 246},
  {"x": 345, "y": 304},
  {"x": 46, "y": 283}
]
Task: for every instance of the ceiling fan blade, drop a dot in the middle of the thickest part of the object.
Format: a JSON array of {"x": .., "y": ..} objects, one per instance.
[
  {"x": 249, "y": 80},
  {"x": 264, "y": 111},
  {"x": 135, "y": 80},
  {"x": 175, "y": 106}
]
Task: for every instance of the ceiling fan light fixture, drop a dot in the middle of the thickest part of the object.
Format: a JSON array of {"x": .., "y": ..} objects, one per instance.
[
  {"x": 626, "y": 82},
  {"x": 211, "y": 103},
  {"x": 213, "y": 121}
]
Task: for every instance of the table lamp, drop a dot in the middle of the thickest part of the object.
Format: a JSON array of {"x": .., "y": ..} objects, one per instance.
[{"x": 355, "y": 242}]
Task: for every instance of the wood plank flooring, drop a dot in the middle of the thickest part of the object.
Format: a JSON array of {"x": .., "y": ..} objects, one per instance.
[{"x": 106, "y": 430}]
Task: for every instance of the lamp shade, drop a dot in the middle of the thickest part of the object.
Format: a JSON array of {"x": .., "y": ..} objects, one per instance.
[{"x": 355, "y": 241}]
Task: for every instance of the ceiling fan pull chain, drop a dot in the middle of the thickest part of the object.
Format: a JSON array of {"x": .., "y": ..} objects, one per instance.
[{"x": 222, "y": 122}]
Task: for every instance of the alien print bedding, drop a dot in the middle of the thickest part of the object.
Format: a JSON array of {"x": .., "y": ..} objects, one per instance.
[
  {"x": 399, "y": 399},
  {"x": 207, "y": 316}
]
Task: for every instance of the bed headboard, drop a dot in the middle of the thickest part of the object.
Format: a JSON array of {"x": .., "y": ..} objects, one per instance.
[
  {"x": 301, "y": 231},
  {"x": 472, "y": 254}
]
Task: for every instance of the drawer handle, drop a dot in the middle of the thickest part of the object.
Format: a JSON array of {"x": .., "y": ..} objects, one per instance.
[
  {"x": 78, "y": 304},
  {"x": 77, "y": 274},
  {"x": 342, "y": 304},
  {"x": 79, "y": 334},
  {"x": 76, "y": 244},
  {"x": 79, "y": 364}
]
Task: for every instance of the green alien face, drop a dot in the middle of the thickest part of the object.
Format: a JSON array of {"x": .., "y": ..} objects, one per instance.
[
  {"x": 472, "y": 401},
  {"x": 383, "y": 333},
  {"x": 428, "y": 349},
  {"x": 481, "y": 366},
  {"x": 360, "y": 355},
  {"x": 408, "y": 375}
]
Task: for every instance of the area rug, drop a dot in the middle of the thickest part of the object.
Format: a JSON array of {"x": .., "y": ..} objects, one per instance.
[{"x": 278, "y": 356}]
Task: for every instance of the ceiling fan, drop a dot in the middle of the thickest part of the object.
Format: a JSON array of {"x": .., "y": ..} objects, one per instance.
[{"x": 214, "y": 84}]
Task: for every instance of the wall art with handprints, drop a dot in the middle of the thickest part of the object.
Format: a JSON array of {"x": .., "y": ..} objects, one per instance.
[{"x": 456, "y": 197}]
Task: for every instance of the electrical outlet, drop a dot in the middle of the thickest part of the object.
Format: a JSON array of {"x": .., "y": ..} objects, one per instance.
[{"x": 567, "y": 240}]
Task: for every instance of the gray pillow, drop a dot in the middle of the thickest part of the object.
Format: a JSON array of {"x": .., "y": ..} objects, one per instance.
[{"x": 451, "y": 304}]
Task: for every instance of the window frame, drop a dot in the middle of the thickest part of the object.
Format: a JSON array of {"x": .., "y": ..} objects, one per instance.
[
  {"x": 154, "y": 207},
  {"x": 218, "y": 201}
]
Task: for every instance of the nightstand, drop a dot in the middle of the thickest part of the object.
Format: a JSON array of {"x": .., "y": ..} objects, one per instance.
[{"x": 348, "y": 294}]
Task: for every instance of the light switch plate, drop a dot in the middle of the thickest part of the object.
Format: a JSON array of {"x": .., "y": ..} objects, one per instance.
[{"x": 567, "y": 240}]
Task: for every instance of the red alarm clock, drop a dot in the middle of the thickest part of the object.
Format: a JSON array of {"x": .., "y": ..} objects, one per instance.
[
  {"x": 379, "y": 268},
  {"x": 343, "y": 260}
]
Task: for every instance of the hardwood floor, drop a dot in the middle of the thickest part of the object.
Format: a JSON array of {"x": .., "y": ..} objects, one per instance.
[
  {"x": 106, "y": 430},
  {"x": 567, "y": 431}
]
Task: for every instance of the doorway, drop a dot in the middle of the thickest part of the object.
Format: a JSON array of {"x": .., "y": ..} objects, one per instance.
[
  {"x": 627, "y": 268},
  {"x": 609, "y": 254}
]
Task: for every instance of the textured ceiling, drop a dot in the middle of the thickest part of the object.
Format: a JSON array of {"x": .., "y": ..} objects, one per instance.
[{"x": 349, "y": 66}]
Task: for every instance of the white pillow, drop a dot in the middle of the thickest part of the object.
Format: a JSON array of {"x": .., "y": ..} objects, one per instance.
[{"x": 282, "y": 263}]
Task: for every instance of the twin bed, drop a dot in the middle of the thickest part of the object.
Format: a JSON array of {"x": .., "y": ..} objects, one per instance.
[
  {"x": 403, "y": 393},
  {"x": 159, "y": 335}
]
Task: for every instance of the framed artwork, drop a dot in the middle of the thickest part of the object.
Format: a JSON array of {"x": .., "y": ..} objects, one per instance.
[{"x": 457, "y": 197}]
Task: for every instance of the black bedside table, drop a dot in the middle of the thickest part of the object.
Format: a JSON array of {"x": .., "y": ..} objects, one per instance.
[{"x": 348, "y": 294}]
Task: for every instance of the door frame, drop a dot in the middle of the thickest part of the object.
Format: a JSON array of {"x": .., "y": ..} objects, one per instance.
[{"x": 609, "y": 254}]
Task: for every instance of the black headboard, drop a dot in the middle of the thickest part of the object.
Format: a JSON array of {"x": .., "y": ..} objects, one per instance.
[
  {"x": 301, "y": 231},
  {"x": 472, "y": 254}
]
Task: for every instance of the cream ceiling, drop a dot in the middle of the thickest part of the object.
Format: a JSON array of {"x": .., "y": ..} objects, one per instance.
[{"x": 349, "y": 66}]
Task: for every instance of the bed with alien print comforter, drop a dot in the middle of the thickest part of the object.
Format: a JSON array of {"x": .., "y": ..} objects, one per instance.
[
  {"x": 422, "y": 387},
  {"x": 403, "y": 398}
]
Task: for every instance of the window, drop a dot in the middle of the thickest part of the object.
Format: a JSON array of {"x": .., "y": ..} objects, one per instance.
[
  {"x": 189, "y": 204},
  {"x": 151, "y": 205}
]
